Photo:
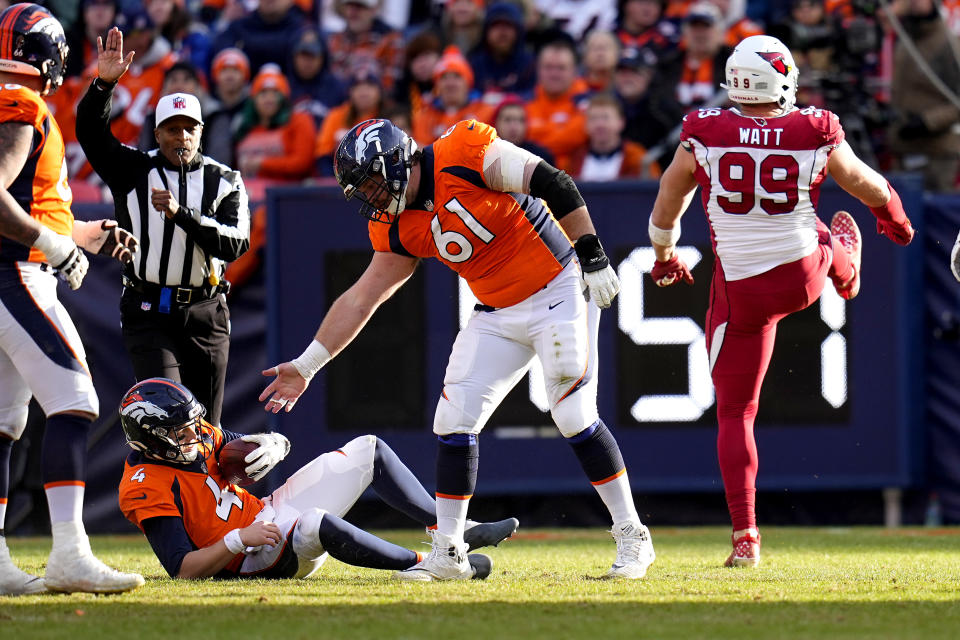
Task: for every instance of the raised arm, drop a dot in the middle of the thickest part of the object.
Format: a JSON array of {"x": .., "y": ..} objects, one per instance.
[
  {"x": 117, "y": 164},
  {"x": 347, "y": 316}
]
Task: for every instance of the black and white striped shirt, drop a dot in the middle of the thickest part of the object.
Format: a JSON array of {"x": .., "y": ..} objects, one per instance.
[{"x": 212, "y": 226}]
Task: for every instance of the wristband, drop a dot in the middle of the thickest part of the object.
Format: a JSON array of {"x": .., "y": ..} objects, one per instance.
[
  {"x": 234, "y": 543},
  {"x": 103, "y": 85},
  {"x": 311, "y": 360},
  {"x": 590, "y": 253},
  {"x": 892, "y": 211},
  {"x": 663, "y": 237},
  {"x": 46, "y": 241}
]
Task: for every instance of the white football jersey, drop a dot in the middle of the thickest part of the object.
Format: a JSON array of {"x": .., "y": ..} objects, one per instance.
[{"x": 761, "y": 181}]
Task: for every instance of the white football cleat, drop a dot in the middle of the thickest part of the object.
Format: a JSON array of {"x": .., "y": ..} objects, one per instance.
[
  {"x": 73, "y": 567},
  {"x": 13, "y": 581},
  {"x": 634, "y": 551},
  {"x": 447, "y": 560}
]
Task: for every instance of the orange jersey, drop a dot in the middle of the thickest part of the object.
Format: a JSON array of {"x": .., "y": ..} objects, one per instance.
[
  {"x": 209, "y": 506},
  {"x": 559, "y": 124},
  {"x": 63, "y": 106},
  {"x": 41, "y": 188},
  {"x": 506, "y": 246}
]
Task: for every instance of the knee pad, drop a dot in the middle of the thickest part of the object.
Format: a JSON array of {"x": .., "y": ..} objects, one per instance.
[
  {"x": 13, "y": 421},
  {"x": 451, "y": 418},
  {"x": 363, "y": 447},
  {"x": 575, "y": 413},
  {"x": 306, "y": 535}
]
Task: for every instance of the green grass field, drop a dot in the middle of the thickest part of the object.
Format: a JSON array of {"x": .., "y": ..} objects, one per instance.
[{"x": 814, "y": 583}]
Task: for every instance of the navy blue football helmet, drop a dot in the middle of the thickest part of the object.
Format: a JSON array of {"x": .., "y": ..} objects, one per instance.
[
  {"x": 152, "y": 413},
  {"x": 32, "y": 43},
  {"x": 373, "y": 163}
]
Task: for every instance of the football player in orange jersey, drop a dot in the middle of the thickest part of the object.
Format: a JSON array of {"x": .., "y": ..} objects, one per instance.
[
  {"x": 40, "y": 351},
  {"x": 201, "y": 525},
  {"x": 473, "y": 201}
]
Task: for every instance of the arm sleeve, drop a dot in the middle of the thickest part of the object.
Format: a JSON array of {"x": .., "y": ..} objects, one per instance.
[
  {"x": 169, "y": 540},
  {"x": 118, "y": 165},
  {"x": 224, "y": 232},
  {"x": 556, "y": 188},
  {"x": 229, "y": 436}
]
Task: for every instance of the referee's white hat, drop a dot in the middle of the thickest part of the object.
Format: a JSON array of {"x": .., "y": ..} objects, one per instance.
[{"x": 178, "y": 104}]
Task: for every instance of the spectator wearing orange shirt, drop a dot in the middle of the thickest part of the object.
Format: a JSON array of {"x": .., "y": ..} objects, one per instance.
[
  {"x": 607, "y": 156},
  {"x": 453, "y": 82},
  {"x": 556, "y": 117},
  {"x": 275, "y": 142},
  {"x": 364, "y": 101}
]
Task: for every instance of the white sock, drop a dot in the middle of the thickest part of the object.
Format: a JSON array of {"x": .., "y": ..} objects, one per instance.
[
  {"x": 451, "y": 515},
  {"x": 3, "y": 512},
  {"x": 65, "y": 502},
  {"x": 618, "y": 498}
]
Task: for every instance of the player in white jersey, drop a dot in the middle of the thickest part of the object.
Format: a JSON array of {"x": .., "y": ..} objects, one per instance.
[{"x": 760, "y": 165}]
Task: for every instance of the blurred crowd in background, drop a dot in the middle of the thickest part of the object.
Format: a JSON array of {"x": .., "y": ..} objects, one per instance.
[{"x": 596, "y": 87}]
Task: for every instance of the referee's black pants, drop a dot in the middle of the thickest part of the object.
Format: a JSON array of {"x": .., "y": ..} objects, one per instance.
[{"x": 190, "y": 344}]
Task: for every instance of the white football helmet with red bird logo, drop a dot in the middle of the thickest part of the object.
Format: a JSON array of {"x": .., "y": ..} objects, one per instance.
[{"x": 761, "y": 69}]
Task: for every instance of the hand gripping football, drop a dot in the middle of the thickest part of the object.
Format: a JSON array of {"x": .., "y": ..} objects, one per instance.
[{"x": 231, "y": 461}]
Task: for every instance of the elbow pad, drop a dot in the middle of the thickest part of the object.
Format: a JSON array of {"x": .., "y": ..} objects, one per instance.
[{"x": 556, "y": 188}]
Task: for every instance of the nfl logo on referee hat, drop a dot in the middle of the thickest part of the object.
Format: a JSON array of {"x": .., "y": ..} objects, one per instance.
[{"x": 178, "y": 104}]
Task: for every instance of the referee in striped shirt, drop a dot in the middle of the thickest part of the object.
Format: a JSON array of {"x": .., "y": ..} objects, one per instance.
[{"x": 191, "y": 216}]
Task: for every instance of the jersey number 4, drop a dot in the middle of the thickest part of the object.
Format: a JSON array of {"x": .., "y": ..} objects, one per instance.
[
  {"x": 777, "y": 175},
  {"x": 226, "y": 499},
  {"x": 453, "y": 246}
]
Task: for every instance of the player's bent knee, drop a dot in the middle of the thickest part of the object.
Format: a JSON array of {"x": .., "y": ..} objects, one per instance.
[
  {"x": 13, "y": 422},
  {"x": 450, "y": 419},
  {"x": 574, "y": 413},
  {"x": 306, "y": 535},
  {"x": 362, "y": 448}
]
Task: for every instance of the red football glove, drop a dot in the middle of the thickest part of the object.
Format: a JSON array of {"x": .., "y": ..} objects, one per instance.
[
  {"x": 892, "y": 220},
  {"x": 670, "y": 272}
]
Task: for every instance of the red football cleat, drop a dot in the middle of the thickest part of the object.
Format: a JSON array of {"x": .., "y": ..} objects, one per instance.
[
  {"x": 746, "y": 549},
  {"x": 844, "y": 228}
]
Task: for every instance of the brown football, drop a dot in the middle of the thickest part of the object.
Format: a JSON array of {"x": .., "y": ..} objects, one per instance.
[{"x": 232, "y": 464}]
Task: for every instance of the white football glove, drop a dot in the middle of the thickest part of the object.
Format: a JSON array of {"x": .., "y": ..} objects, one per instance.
[
  {"x": 604, "y": 285},
  {"x": 63, "y": 255},
  {"x": 273, "y": 448},
  {"x": 104, "y": 237},
  {"x": 955, "y": 259}
]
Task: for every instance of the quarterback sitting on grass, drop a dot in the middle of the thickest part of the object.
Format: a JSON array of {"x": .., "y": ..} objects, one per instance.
[{"x": 177, "y": 489}]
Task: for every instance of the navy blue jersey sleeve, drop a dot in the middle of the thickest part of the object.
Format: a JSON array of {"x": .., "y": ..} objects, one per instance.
[
  {"x": 229, "y": 436},
  {"x": 169, "y": 540}
]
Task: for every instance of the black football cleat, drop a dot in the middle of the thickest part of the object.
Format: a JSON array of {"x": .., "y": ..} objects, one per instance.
[
  {"x": 485, "y": 534},
  {"x": 481, "y": 564}
]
